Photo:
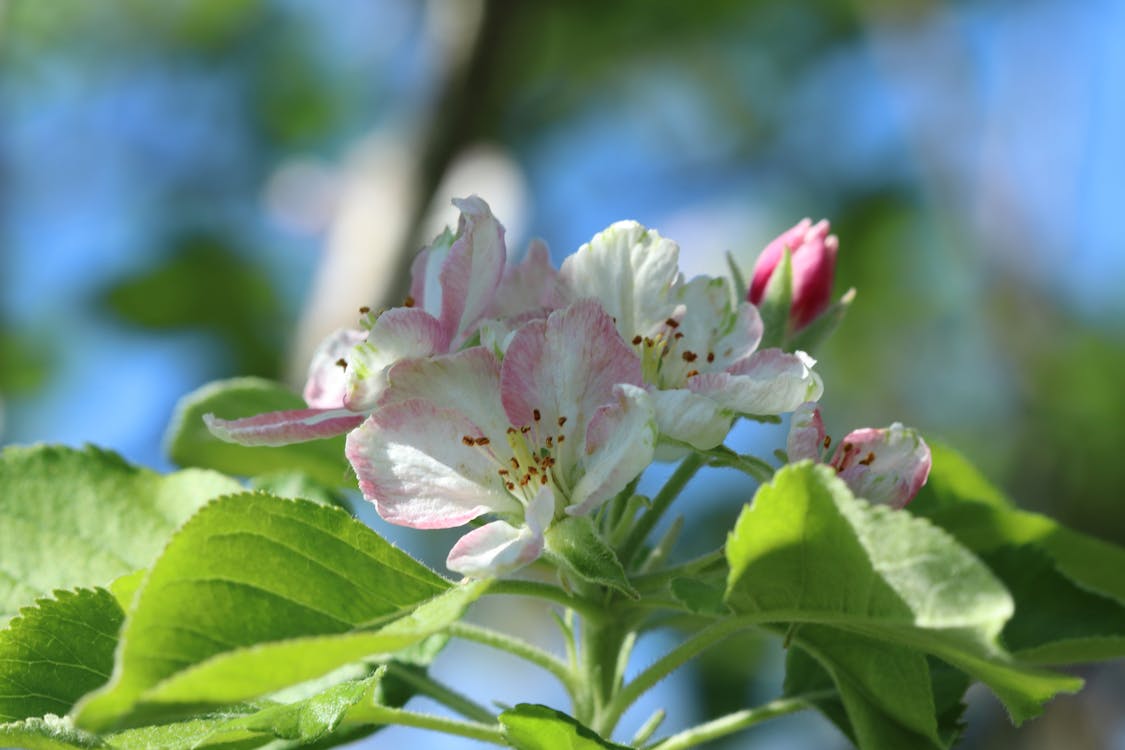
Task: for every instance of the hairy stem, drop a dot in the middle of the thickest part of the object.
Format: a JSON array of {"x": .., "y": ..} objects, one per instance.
[
  {"x": 375, "y": 714},
  {"x": 443, "y": 694},
  {"x": 520, "y": 648},
  {"x": 738, "y": 721}
]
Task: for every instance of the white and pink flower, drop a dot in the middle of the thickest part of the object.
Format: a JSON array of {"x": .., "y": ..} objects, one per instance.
[
  {"x": 886, "y": 466},
  {"x": 560, "y": 426}
]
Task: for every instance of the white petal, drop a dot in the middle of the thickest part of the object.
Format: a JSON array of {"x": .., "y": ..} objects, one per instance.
[
  {"x": 278, "y": 428},
  {"x": 767, "y": 382},
  {"x": 619, "y": 445},
  {"x": 494, "y": 549},
  {"x": 398, "y": 333},
  {"x": 691, "y": 418},
  {"x": 327, "y": 380},
  {"x": 631, "y": 271},
  {"x": 806, "y": 433},
  {"x": 885, "y": 466}
]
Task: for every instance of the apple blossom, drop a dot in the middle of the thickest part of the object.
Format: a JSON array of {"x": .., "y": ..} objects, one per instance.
[
  {"x": 698, "y": 348},
  {"x": 813, "y": 252},
  {"x": 560, "y": 426},
  {"x": 886, "y": 466}
]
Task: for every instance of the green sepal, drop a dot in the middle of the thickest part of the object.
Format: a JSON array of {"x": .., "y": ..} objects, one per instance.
[
  {"x": 809, "y": 338},
  {"x": 775, "y": 303},
  {"x": 576, "y": 547}
]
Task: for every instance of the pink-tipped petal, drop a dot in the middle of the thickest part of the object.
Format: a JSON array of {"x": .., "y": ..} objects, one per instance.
[
  {"x": 468, "y": 381},
  {"x": 767, "y": 382},
  {"x": 620, "y": 442},
  {"x": 283, "y": 427},
  {"x": 566, "y": 366},
  {"x": 494, "y": 549},
  {"x": 631, "y": 270},
  {"x": 691, "y": 418},
  {"x": 763, "y": 268},
  {"x": 398, "y": 333},
  {"x": 414, "y": 461},
  {"x": 327, "y": 381},
  {"x": 473, "y": 269},
  {"x": 886, "y": 466},
  {"x": 806, "y": 433},
  {"x": 531, "y": 285}
]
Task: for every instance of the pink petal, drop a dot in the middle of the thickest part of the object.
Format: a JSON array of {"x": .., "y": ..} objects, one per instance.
[
  {"x": 494, "y": 549},
  {"x": 532, "y": 285},
  {"x": 473, "y": 269},
  {"x": 468, "y": 381},
  {"x": 327, "y": 380},
  {"x": 767, "y": 382},
  {"x": 763, "y": 268},
  {"x": 398, "y": 333},
  {"x": 283, "y": 427},
  {"x": 412, "y": 461},
  {"x": 885, "y": 466},
  {"x": 619, "y": 445},
  {"x": 566, "y": 366},
  {"x": 806, "y": 433}
]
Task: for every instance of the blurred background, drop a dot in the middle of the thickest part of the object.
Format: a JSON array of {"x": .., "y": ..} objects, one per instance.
[{"x": 198, "y": 189}]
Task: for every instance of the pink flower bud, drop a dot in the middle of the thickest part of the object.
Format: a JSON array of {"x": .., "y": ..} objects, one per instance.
[{"x": 813, "y": 252}]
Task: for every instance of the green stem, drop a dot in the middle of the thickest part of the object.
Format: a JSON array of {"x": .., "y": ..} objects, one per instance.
[
  {"x": 447, "y": 696},
  {"x": 584, "y": 607},
  {"x": 667, "y": 664},
  {"x": 668, "y": 493},
  {"x": 737, "y": 721},
  {"x": 376, "y": 714},
  {"x": 520, "y": 648},
  {"x": 684, "y": 570}
]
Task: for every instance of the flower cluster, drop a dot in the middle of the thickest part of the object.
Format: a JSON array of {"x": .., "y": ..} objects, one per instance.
[{"x": 526, "y": 394}]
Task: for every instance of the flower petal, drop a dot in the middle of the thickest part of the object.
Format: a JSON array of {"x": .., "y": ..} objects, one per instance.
[
  {"x": 885, "y": 466},
  {"x": 413, "y": 462},
  {"x": 531, "y": 285},
  {"x": 767, "y": 382},
  {"x": 468, "y": 381},
  {"x": 691, "y": 418},
  {"x": 619, "y": 445},
  {"x": 283, "y": 427},
  {"x": 327, "y": 380},
  {"x": 806, "y": 433},
  {"x": 398, "y": 333},
  {"x": 494, "y": 549},
  {"x": 631, "y": 270},
  {"x": 473, "y": 269},
  {"x": 566, "y": 367}
]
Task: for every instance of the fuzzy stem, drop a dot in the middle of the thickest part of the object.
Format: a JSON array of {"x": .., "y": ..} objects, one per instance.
[
  {"x": 447, "y": 696},
  {"x": 520, "y": 648},
  {"x": 738, "y": 721},
  {"x": 668, "y": 493},
  {"x": 376, "y": 714}
]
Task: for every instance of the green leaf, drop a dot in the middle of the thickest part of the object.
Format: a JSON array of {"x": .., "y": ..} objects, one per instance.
[
  {"x": 574, "y": 542},
  {"x": 776, "y": 301},
  {"x": 807, "y": 551},
  {"x": 530, "y": 726},
  {"x": 72, "y": 518},
  {"x": 700, "y": 596},
  {"x": 248, "y": 570},
  {"x": 189, "y": 443},
  {"x": 57, "y": 651},
  {"x": 294, "y": 485},
  {"x": 1069, "y": 594},
  {"x": 48, "y": 733}
]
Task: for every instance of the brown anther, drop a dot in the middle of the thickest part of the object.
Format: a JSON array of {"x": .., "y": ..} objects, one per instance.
[
  {"x": 827, "y": 441},
  {"x": 532, "y": 470},
  {"x": 543, "y": 479},
  {"x": 510, "y": 485},
  {"x": 502, "y": 472},
  {"x": 536, "y": 415},
  {"x": 672, "y": 323},
  {"x": 364, "y": 310},
  {"x": 524, "y": 480},
  {"x": 562, "y": 421},
  {"x": 408, "y": 302},
  {"x": 689, "y": 356},
  {"x": 525, "y": 429},
  {"x": 515, "y": 463},
  {"x": 868, "y": 459},
  {"x": 691, "y": 373},
  {"x": 710, "y": 356},
  {"x": 467, "y": 440},
  {"x": 550, "y": 441},
  {"x": 637, "y": 339},
  {"x": 848, "y": 447},
  {"x": 649, "y": 342},
  {"x": 561, "y": 438},
  {"x": 677, "y": 335},
  {"x": 548, "y": 462},
  {"x": 341, "y": 362},
  {"x": 511, "y": 430},
  {"x": 483, "y": 441}
]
